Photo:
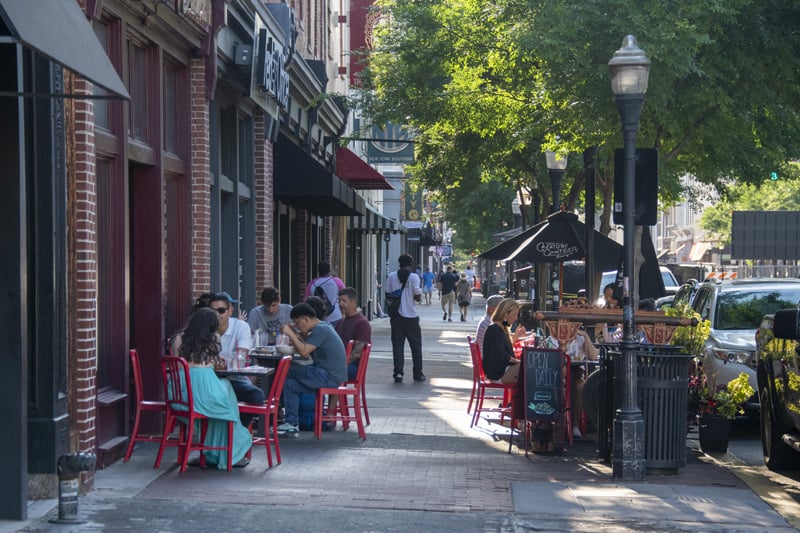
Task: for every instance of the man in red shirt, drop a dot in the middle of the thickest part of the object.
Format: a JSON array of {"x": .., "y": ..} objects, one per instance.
[{"x": 353, "y": 326}]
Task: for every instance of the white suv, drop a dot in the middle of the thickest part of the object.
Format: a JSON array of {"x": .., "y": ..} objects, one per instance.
[{"x": 735, "y": 309}]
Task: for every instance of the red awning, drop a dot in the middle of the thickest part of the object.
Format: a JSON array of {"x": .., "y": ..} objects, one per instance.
[{"x": 357, "y": 173}]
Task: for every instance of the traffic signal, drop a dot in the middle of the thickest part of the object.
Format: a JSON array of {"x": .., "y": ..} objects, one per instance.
[{"x": 773, "y": 176}]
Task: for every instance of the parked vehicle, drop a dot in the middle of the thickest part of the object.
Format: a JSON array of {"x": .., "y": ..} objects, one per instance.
[
  {"x": 735, "y": 309},
  {"x": 684, "y": 272},
  {"x": 778, "y": 369},
  {"x": 686, "y": 292}
]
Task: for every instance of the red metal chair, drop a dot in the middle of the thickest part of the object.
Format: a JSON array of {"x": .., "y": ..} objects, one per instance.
[
  {"x": 180, "y": 410},
  {"x": 476, "y": 376},
  {"x": 349, "y": 349},
  {"x": 142, "y": 405},
  {"x": 269, "y": 409},
  {"x": 508, "y": 389},
  {"x": 342, "y": 411}
]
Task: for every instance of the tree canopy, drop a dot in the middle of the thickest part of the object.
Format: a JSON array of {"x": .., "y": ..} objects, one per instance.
[{"x": 487, "y": 85}]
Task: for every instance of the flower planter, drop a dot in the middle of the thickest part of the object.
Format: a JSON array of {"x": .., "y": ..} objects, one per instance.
[{"x": 715, "y": 431}]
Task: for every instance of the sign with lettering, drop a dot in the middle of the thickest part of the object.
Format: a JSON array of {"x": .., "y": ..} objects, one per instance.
[
  {"x": 270, "y": 77},
  {"x": 544, "y": 384},
  {"x": 388, "y": 145}
]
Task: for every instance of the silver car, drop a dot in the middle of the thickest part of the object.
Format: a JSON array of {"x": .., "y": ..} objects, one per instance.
[{"x": 735, "y": 309}]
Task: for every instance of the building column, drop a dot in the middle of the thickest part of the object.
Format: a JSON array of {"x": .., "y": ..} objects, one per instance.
[{"x": 201, "y": 179}]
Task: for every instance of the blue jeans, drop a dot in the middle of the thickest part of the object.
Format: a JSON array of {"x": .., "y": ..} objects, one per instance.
[{"x": 303, "y": 379}]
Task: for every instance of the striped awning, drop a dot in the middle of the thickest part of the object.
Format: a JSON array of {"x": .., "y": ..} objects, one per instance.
[{"x": 374, "y": 222}]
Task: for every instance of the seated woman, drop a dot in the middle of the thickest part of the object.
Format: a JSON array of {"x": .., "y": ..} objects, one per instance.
[
  {"x": 213, "y": 397},
  {"x": 499, "y": 363}
]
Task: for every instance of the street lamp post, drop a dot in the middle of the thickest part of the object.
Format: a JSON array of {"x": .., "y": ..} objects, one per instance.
[
  {"x": 556, "y": 166},
  {"x": 629, "y": 71}
]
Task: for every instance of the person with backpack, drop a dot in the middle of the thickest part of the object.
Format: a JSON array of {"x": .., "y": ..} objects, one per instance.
[
  {"x": 402, "y": 292},
  {"x": 326, "y": 287}
]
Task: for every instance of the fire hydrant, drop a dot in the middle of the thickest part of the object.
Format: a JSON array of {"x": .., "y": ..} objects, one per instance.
[{"x": 69, "y": 468}]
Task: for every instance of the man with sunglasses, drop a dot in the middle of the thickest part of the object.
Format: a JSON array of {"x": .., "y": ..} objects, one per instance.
[{"x": 236, "y": 340}]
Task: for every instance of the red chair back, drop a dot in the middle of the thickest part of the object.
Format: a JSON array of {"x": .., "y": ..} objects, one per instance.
[
  {"x": 281, "y": 371},
  {"x": 348, "y": 349},
  {"x": 137, "y": 376},
  {"x": 361, "y": 373},
  {"x": 477, "y": 362},
  {"x": 177, "y": 385}
]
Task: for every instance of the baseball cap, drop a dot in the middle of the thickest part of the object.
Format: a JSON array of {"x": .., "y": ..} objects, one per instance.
[{"x": 224, "y": 296}]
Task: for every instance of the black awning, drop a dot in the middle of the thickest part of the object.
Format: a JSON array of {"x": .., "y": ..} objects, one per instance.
[
  {"x": 374, "y": 222},
  {"x": 58, "y": 30},
  {"x": 304, "y": 183}
]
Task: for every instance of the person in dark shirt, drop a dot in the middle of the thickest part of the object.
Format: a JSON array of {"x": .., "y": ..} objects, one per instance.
[
  {"x": 447, "y": 285},
  {"x": 499, "y": 362}
]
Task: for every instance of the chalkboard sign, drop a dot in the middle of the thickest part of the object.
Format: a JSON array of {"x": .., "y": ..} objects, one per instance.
[{"x": 544, "y": 384}]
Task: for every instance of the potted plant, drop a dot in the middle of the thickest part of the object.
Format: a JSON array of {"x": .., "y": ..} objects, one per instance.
[
  {"x": 716, "y": 412},
  {"x": 692, "y": 339}
]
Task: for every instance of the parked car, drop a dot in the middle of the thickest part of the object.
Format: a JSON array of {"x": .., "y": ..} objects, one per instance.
[
  {"x": 686, "y": 292},
  {"x": 683, "y": 273},
  {"x": 778, "y": 369},
  {"x": 735, "y": 309}
]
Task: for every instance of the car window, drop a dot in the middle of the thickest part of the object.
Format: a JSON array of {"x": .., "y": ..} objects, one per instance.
[
  {"x": 744, "y": 309},
  {"x": 682, "y": 296},
  {"x": 669, "y": 279},
  {"x": 700, "y": 303}
]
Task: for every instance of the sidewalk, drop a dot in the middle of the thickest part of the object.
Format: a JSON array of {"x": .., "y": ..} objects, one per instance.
[{"x": 421, "y": 468}]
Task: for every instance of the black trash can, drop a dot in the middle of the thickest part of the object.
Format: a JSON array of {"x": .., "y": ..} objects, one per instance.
[
  {"x": 663, "y": 377},
  {"x": 663, "y": 374}
]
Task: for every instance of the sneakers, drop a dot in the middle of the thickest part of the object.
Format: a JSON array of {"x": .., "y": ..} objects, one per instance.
[
  {"x": 398, "y": 378},
  {"x": 444, "y": 317},
  {"x": 420, "y": 377},
  {"x": 449, "y": 319},
  {"x": 290, "y": 430}
]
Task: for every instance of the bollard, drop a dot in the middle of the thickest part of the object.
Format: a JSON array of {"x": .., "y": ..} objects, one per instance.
[{"x": 69, "y": 468}]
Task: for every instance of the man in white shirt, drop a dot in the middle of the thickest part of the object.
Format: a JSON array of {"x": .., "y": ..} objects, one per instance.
[
  {"x": 491, "y": 304},
  {"x": 405, "y": 324},
  {"x": 236, "y": 340}
]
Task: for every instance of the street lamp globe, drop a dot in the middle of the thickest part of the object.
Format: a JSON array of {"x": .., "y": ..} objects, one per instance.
[
  {"x": 556, "y": 167},
  {"x": 630, "y": 68}
]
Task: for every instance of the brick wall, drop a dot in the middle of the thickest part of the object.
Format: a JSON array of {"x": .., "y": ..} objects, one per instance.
[
  {"x": 82, "y": 275},
  {"x": 201, "y": 179},
  {"x": 265, "y": 204}
]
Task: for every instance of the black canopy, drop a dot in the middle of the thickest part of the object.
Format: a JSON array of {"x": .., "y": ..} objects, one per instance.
[{"x": 558, "y": 238}]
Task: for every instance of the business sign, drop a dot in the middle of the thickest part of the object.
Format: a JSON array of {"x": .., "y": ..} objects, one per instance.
[
  {"x": 270, "y": 86},
  {"x": 388, "y": 145},
  {"x": 413, "y": 203},
  {"x": 765, "y": 235},
  {"x": 444, "y": 250}
]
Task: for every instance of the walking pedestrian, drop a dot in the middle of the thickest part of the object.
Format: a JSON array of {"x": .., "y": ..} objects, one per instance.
[
  {"x": 404, "y": 286},
  {"x": 463, "y": 296},
  {"x": 447, "y": 283}
]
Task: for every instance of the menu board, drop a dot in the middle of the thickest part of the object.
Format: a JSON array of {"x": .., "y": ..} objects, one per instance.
[{"x": 544, "y": 384}]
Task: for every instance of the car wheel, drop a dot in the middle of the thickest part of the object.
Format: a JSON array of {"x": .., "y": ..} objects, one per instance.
[{"x": 777, "y": 455}]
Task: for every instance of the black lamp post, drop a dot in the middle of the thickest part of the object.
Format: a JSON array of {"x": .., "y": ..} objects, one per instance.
[
  {"x": 556, "y": 166},
  {"x": 629, "y": 71}
]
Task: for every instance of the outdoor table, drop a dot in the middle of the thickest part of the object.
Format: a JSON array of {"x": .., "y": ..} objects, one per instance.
[{"x": 250, "y": 371}]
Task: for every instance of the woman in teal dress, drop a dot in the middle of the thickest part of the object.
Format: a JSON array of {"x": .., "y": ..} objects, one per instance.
[{"x": 213, "y": 397}]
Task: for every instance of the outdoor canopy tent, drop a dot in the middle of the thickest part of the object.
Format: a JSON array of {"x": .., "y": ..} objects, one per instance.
[{"x": 558, "y": 238}]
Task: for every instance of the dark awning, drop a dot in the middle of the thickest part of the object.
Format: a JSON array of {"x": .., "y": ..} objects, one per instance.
[
  {"x": 374, "y": 222},
  {"x": 304, "y": 183},
  {"x": 357, "y": 173},
  {"x": 58, "y": 30}
]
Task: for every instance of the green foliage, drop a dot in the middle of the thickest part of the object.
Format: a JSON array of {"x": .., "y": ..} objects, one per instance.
[
  {"x": 489, "y": 84},
  {"x": 692, "y": 338}
]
